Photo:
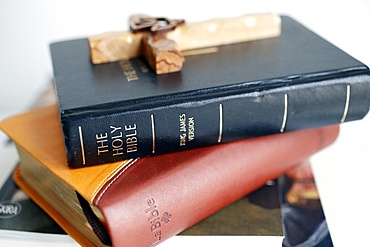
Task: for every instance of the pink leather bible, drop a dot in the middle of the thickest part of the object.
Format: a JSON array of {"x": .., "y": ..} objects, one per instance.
[{"x": 144, "y": 201}]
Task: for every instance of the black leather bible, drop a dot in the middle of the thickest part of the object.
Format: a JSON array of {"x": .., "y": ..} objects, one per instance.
[{"x": 121, "y": 110}]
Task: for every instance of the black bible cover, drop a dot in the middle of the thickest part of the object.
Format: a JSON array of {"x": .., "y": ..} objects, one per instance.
[{"x": 121, "y": 110}]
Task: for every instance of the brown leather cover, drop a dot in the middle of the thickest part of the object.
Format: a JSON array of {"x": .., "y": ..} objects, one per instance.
[
  {"x": 155, "y": 198},
  {"x": 39, "y": 133},
  {"x": 148, "y": 200}
]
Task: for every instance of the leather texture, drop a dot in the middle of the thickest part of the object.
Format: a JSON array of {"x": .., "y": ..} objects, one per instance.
[
  {"x": 148, "y": 200},
  {"x": 155, "y": 198},
  {"x": 39, "y": 133},
  {"x": 254, "y": 83}
]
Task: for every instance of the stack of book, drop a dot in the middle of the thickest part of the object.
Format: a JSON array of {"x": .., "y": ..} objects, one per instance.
[{"x": 131, "y": 158}]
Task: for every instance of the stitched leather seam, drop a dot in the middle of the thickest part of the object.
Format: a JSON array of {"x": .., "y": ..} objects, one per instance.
[
  {"x": 103, "y": 181},
  {"x": 111, "y": 182}
]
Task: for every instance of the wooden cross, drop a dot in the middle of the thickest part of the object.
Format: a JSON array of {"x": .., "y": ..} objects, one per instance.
[
  {"x": 165, "y": 42},
  {"x": 162, "y": 54}
]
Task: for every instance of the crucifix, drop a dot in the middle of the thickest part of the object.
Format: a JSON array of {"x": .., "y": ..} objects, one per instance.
[{"x": 166, "y": 42}]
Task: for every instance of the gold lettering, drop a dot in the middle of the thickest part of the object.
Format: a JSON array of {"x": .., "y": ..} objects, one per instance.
[
  {"x": 102, "y": 141},
  {"x": 131, "y": 139},
  {"x": 114, "y": 129},
  {"x": 117, "y": 147},
  {"x": 191, "y": 129},
  {"x": 129, "y": 127},
  {"x": 131, "y": 149},
  {"x": 117, "y": 141},
  {"x": 101, "y": 136},
  {"x": 118, "y": 136},
  {"x": 182, "y": 123},
  {"x": 128, "y": 70},
  {"x": 143, "y": 67},
  {"x": 182, "y": 139}
]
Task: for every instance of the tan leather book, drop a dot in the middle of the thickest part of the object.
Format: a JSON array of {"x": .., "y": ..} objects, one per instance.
[{"x": 144, "y": 201}]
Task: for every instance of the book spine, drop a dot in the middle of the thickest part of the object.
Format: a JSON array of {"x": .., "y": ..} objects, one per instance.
[
  {"x": 166, "y": 194},
  {"x": 97, "y": 139}
]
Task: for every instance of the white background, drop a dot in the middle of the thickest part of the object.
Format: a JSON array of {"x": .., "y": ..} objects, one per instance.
[{"x": 28, "y": 27}]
